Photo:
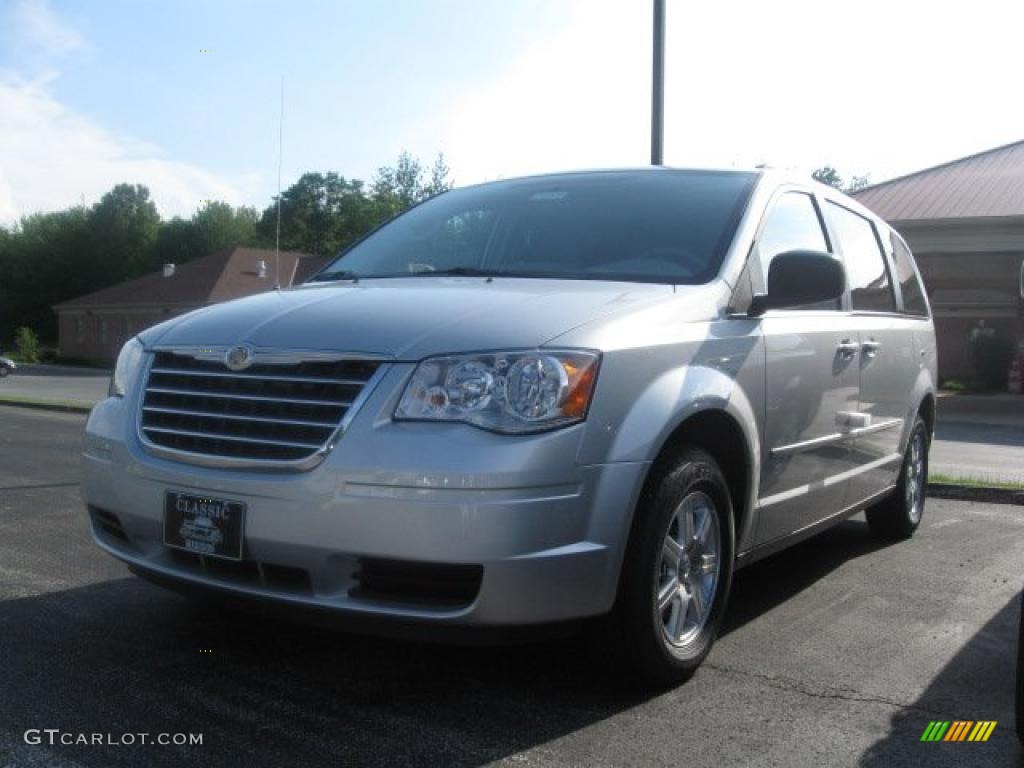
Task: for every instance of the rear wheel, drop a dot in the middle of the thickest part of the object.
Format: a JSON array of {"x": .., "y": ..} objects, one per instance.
[
  {"x": 898, "y": 515},
  {"x": 3, "y": 371},
  {"x": 678, "y": 570}
]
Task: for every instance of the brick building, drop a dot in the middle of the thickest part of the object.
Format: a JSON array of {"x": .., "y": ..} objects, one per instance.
[{"x": 94, "y": 326}]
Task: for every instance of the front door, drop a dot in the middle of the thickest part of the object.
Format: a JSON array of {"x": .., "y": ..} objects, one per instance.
[
  {"x": 811, "y": 383},
  {"x": 811, "y": 386}
]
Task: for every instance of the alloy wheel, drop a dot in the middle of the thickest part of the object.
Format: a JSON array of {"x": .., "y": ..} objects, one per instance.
[
  {"x": 915, "y": 477},
  {"x": 688, "y": 571}
]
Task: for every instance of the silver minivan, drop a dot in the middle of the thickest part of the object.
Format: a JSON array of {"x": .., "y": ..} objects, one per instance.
[{"x": 579, "y": 396}]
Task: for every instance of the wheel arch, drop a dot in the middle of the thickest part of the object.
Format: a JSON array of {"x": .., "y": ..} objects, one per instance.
[
  {"x": 927, "y": 413},
  {"x": 719, "y": 433}
]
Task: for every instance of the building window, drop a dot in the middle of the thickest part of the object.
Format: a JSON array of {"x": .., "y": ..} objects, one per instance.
[
  {"x": 104, "y": 337},
  {"x": 80, "y": 329}
]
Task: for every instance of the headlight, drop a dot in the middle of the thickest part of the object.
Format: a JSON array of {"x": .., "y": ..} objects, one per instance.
[
  {"x": 128, "y": 364},
  {"x": 512, "y": 392}
]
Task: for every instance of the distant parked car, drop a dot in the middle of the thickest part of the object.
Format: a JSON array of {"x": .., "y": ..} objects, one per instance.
[{"x": 7, "y": 366}]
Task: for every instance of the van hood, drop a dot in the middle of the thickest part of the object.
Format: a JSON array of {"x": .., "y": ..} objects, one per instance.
[{"x": 409, "y": 318}]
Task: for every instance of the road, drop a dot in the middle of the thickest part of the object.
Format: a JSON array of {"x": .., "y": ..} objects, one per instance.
[
  {"x": 82, "y": 388},
  {"x": 837, "y": 652}
]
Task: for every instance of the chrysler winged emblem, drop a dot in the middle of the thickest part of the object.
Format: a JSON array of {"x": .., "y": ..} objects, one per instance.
[{"x": 238, "y": 358}]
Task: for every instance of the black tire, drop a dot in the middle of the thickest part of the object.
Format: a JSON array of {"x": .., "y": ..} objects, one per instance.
[
  {"x": 899, "y": 514},
  {"x": 4, "y": 370},
  {"x": 1019, "y": 700},
  {"x": 640, "y": 630}
]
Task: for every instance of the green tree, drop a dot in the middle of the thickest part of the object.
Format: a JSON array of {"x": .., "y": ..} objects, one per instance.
[
  {"x": 48, "y": 258},
  {"x": 219, "y": 226},
  {"x": 176, "y": 242},
  {"x": 27, "y": 344},
  {"x": 214, "y": 227},
  {"x": 828, "y": 175},
  {"x": 857, "y": 183},
  {"x": 397, "y": 187},
  {"x": 123, "y": 227},
  {"x": 320, "y": 213},
  {"x": 440, "y": 177}
]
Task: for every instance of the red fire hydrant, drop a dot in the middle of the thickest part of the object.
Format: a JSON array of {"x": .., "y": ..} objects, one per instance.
[{"x": 1015, "y": 381}]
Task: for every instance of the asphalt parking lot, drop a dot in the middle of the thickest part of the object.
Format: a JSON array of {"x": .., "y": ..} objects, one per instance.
[{"x": 837, "y": 652}]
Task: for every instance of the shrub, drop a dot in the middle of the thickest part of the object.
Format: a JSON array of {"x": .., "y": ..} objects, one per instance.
[
  {"x": 992, "y": 358},
  {"x": 27, "y": 344}
]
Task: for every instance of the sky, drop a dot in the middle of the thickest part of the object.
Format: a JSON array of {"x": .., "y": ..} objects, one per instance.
[{"x": 184, "y": 95}]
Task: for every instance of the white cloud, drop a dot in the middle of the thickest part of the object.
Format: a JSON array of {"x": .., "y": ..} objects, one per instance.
[
  {"x": 52, "y": 157},
  {"x": 36, "y": 31}
]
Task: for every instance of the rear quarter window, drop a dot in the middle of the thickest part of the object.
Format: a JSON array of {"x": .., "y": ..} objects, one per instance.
[{"x": 907, "y": 277}]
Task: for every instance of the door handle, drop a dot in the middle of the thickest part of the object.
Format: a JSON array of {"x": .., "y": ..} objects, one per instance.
[
  {"x": 847, "y": 348},
  {"x": 871, "y": 347}
]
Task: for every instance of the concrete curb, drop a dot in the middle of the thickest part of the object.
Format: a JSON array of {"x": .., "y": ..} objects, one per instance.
[
  {"x": 974, "y": 493},
  {"x": 42, "y": 405}
]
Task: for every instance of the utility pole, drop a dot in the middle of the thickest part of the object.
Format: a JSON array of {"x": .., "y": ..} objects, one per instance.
[
  {"x": 280, "y": 155},
  {"x": 658, "y": 85}
]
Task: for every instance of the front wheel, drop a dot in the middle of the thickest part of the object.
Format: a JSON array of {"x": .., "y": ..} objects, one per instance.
[
  {"x": 4, "y": 370},
  {"x": 678, "y": 570},
  {"x": 1019, "y": 699},
  {"x": 898, "y": 515}
]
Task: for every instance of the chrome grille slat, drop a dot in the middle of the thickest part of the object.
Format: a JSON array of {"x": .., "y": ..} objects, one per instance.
[
  {"x": 284, "y": 411},
  {"x": 232, "y": 438},
  {"x": 256, "y": 376},
  {"x": 254, "y": 398},
  {"x": 209, "y": 415}
]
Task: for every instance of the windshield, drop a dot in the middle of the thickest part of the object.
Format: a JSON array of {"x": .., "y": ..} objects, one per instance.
[{"x": 659, "y": 226}]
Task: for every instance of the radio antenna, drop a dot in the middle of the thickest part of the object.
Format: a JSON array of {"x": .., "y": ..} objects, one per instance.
[{"x": 280, "y": 153}]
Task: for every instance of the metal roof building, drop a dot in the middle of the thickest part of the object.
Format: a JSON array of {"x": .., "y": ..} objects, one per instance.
[{"x": 964, "y": 220}]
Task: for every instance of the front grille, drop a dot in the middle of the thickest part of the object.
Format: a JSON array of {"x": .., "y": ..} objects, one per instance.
[{"x": 269, "y": 412}]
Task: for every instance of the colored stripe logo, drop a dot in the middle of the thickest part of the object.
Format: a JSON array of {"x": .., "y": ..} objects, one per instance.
[{"x": 958, "y": 730}]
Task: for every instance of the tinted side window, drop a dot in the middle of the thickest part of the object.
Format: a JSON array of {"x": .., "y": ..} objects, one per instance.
[
  {"x": 910, "y": 285},
  {"x": 865, "y": 266},
  {"x": 793, "y": 224}
]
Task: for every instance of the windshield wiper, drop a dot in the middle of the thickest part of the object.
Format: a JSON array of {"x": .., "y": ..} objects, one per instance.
[
  {"x": 460, "y": 272},
  {"x": 338, "y": 274}
]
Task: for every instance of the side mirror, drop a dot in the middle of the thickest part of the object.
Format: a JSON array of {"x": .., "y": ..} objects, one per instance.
[{"x": 796, "y": 278}]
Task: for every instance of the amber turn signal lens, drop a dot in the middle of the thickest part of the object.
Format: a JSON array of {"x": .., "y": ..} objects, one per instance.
[{"x": 581, "y": 387}]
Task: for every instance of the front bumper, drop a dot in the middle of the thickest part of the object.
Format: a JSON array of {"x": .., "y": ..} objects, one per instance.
[{"x": 546, "y": 534}]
